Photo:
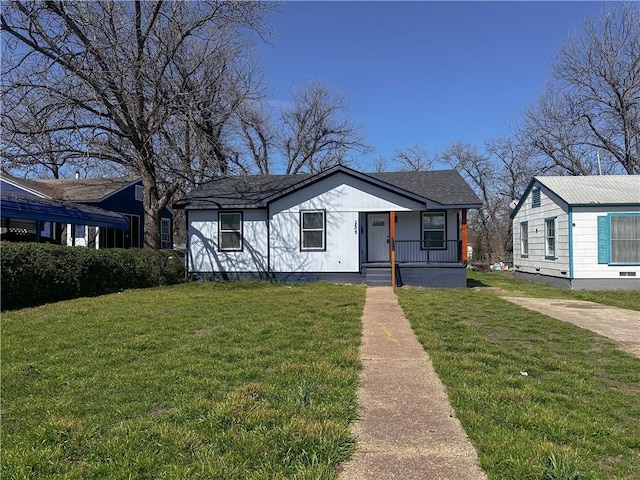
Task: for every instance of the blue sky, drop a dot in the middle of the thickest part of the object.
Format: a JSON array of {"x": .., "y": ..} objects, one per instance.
[{"x": 424, "y": 73}]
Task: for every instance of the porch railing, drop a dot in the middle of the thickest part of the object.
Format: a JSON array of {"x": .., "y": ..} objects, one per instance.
[{"x": 419, "y": 251}]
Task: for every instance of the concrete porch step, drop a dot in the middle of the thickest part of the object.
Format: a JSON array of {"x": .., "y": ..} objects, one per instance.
[{"x": 376, "y": 277}]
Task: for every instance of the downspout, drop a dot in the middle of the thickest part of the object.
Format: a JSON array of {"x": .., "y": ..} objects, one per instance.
[{"x": 392, "y": 246}]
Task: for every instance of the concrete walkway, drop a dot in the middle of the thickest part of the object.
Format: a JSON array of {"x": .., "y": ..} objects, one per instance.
[
  {"x": 408, "y": 428},
  {"x": 618, "y": 324}
]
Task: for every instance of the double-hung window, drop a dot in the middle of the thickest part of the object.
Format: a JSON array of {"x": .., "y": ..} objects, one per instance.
[
  {"x": 230, "y": 231},
  {"x": 625, "y": 239},
  {"x": 434, "y": 230},
  {"x": 619, "y": 239},
  {"x": 312, "y": 230},
  {"x": 550, "y": 238},
  {"x": 524, "y": 239}
]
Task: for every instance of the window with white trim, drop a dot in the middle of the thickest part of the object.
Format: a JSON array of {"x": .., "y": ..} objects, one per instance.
[
  {"x": 165, "y": 233},
  {"x": 139, "y": 193},
  {"x": 434, "y": 230},
  {"x": 550, "y": 238},
  {"x": 524, "y": 239},
  {"x": 312, "y": 230},
  {"x": 230, "y": 231},
  {"x": 78, "y": 231}
]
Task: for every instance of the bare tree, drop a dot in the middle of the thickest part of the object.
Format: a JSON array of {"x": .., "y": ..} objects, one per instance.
[
  {"x": 316, "y": 132},
  {"x": 490, "y": 226},
  {"x": 257, "y": 138},
  {"x": 380, "y": 164},
  {"x": 592, "y": 104},
  {"x": 514, "y": 166},
  {"x": 414, "y": 158},
  {"x": 144, "y": 84}
]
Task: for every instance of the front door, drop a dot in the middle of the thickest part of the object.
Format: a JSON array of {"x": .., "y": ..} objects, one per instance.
[{"x": 378, "y": 237}]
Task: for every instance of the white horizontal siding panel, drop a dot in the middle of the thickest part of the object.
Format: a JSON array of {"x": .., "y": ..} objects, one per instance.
[
  {"x": 204, "y": 255},
  {"x": 550, "y": 207},
  {"x": 585, "y": 244}
]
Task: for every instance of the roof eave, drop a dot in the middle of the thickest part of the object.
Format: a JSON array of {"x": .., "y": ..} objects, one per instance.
[
  {"x": 16, "y": 183},
  {"x": 465, "y": 205}
]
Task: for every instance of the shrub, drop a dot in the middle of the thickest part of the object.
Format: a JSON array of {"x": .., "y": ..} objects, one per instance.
[{"x": 34, "y": 273}]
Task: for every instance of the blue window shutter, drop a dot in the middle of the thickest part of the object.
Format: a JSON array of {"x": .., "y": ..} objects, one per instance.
[{"x": 603, "y": 239}]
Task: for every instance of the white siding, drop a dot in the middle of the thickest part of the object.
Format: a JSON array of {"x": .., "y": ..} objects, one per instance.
[
  {"x": 341, "y": 254},
  {"x": 585, "y": 245},
  {"x": 204, "y": 255},
  {"x": 342, "y": 197},
  {"x": 550, "y": 206}
]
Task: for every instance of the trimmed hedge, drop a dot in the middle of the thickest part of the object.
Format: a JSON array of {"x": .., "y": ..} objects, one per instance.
[{"x": 36, "y": 273}]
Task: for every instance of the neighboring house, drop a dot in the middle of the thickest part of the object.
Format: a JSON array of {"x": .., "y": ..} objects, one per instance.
[
  {"x": 338, "y": 225},
  {"x": 113, "y": 195},
  {"x": 579, "y": 232}
]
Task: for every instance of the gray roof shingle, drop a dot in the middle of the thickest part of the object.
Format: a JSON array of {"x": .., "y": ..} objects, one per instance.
[
  {"x": 75, "y": 189},
  {"x": 445, "y": 187},
  {"x": 86, "y": 189}
]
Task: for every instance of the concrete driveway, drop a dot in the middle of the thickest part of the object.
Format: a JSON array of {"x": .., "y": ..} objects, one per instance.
[{"x": 618, "y": 324}]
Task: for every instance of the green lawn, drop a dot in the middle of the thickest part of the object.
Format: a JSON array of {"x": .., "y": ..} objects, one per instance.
[
  {"x": 258, "y": 380},
  {"x": 203, "y": 380},
  {"x": 574, "y": 415},
  {"x": 504, "y": 281}
]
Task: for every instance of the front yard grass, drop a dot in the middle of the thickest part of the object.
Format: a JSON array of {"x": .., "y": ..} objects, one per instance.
[
  {"x": 505, "y": 282},
  {"x": 539, "y": 398},
  {"x": 203, "y": 380}
]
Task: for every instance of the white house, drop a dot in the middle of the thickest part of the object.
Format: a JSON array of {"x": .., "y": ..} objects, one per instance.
[
  {"x": 338, "y": 225},
  {"x": 579, "y": 232}
]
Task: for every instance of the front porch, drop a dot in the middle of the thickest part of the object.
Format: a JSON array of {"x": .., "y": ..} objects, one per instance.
[{"x": 418, "y": 264}]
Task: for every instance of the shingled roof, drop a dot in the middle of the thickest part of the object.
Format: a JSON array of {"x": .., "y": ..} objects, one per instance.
[
  {"x": 83, "y": 190},
  {"x": 445, "y": 187},
  {"x": 87, "y": 189}
]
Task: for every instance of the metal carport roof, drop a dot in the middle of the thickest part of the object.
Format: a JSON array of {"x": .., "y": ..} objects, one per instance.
[{"x": 31, "y": 208}]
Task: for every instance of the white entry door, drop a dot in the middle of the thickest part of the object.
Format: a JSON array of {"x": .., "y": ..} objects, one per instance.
[{"x": 378, "y": 237}]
